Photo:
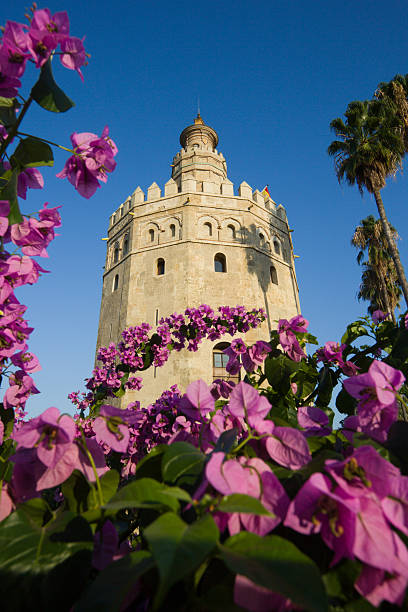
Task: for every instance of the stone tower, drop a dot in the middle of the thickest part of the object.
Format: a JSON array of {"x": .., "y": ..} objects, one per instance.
[{"x": 196, "y": 243}]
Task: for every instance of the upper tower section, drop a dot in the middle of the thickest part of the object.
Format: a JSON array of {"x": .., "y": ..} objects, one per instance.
[{"x": 199, "y": 159}]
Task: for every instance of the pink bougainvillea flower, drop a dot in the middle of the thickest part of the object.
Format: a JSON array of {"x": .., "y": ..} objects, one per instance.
[
  {"x": 92, "y": 160},
  {"x": 376, "y": 585},
  {"x": 363, "y": 472},
  {"x": 251, "y": 477},
  {"x": 50, "y": 434},
  {"x": 4, "y": 212},
  {"x": 255, "y": 355},
  {"x": 13, "y": 51},
  {"x": 287, "y": 338},
  {"x": 314, "y": 421},
  {"x": 9, "y": 86},
  {"x": 21, "y": 387},
  {"x": 199, "y": 395},
  {"x": 26, "y": 361},
  {"x": 73, "y": 54},
  {"x": 6, "y": 503},
  {"x": 318, "y": 509},
  {"x": 377, "y": 387},
  {"x": 111, "y": 426},
  {"x": 245, "y": 402},
  {"x": 221, "y": 388},
  {"x": 287, "y": 446},
  {"x": 395, "y": 506},
  {"x": 29, "y": 178},
  {"x": 107, "y": 548},
  {"x": 45, "y": 33}
]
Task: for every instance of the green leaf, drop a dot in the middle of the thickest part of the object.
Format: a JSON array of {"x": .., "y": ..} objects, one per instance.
[
  {"x": 76, "y": 490},
  {"x": 37, "y": 511},
  {"x": 47, "y": 93},
  {"x": 276, "y": 564},
  {"x": 345, "y": 403},
  {"x": 9, "y": 192},
  {"x": 147, "y": 493},
  {"x": 7, "y": 416},
  {"x": 182, "y": 461},
  {"x": 43, "y": 564},
  {"x": 32, "y": 152},
  {"x": 179, "y": 548},
  {"x": 109, "y": 484},
  {"x": 150, "y": 465},
  {"x": 238, "y": 502},
  {"x": 8, "y": 108},
  {"x": 109, "y": 590},
  {"x": 400, "y": 348},
  {"x": 353, "y": 331}
]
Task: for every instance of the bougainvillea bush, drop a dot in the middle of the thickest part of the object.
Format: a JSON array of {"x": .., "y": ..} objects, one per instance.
[{"x": 230, "y": 496}]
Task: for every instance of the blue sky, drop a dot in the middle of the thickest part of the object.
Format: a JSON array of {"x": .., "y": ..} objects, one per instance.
[{"x": 270, "y": 76}]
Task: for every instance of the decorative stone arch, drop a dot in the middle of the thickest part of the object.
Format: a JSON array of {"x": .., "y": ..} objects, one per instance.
[
  {"x": 230, "y": 230},
  {"x": 277, "y": 245},
  {"x": 263, "y": 238},
  {"x": 172, "y": 229},
  {"x": 150, "y": 234},
  {"x": 207, "y": 227}
]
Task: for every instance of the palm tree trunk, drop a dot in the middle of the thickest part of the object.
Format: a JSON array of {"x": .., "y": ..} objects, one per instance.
[{"x": 391, "y": 245}]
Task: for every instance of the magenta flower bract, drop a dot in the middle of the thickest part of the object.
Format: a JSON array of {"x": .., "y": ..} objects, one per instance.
[
  {"x": 377, "y": 387},
  {"x": 92, "y": 161},
  {"x": 50, "y": 434}
]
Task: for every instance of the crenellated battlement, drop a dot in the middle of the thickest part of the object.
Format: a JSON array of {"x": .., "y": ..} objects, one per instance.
[{"x": 225, "y": 189}]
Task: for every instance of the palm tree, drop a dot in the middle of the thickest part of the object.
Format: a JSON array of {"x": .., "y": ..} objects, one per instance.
[
  {"x": 394, "y": 95},
  {"x": 370, "y": 150},
  {"x": 379, "y": 281}
]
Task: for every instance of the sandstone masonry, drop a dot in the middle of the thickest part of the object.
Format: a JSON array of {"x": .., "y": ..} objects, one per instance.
[{"x": 196, "y": 243}]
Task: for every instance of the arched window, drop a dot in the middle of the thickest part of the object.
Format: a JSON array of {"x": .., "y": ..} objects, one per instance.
[
  {"x": 231, "y": 232},
  {"x": 161, "y": 266},
  {"x": 220, "y": 360},
  {"x": 115, "y": 282},
  {"x": 274, "y": 275},
  {"x": 208, "y": 229},
  {"x": 276, "y": 246},
  {"x": 151, "y": 235},
  {"x": 173, "y": 230},
  {"x": 116, "y": 253},
  {"x": 261, "y": 238},
  {"x": 220, "y": 263},
  {"x": 126, "y": 245}
]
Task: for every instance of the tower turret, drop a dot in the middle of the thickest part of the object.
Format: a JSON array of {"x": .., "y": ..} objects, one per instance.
[{"x": 199, "y": 158}]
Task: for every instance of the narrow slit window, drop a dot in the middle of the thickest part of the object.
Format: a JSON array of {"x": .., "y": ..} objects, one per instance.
[
  {"x": 151, "y": 235},
  {"x": 220, "y": 263},
  {"x": 116, "y": 253},
  {"x": 115, "y": 282},
  {"x": 161, "y": 266},
  {"x": 274, "y": 275},
  {"x": 276, "y": 246},
  {"x": 173, "y": 230},
  {"x": 126, "y": 245}
]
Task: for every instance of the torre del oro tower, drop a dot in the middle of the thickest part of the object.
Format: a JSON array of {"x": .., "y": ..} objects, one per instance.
[{"x": 197, "y": 241}]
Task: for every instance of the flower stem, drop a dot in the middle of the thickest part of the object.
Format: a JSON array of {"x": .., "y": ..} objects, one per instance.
[
  {"x": 14, "y": 129},
  {"x": 92, "y": 462},
  {"x": 55, "y": 144}
]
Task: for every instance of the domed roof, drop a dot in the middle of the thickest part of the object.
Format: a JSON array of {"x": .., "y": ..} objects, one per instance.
[{"x": 198, "y": 132}]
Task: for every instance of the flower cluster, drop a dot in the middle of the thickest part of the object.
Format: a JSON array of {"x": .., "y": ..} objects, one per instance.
[
  {"x": 289, "y": 342},
  {"x": 33, "y": 237},
  {"x": 138, "y": 348},
  {"x": 91, "y": 162},
  {"x": 354, "y": 506},
  {"x": 36, "y": 42}
]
